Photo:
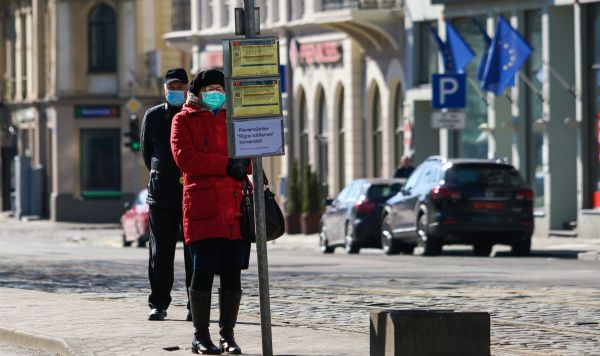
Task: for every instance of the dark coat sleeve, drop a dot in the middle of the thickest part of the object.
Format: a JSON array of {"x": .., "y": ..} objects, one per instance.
[
  {"x": 187, "y": 158},
  {"x": 145, "y": 141}
]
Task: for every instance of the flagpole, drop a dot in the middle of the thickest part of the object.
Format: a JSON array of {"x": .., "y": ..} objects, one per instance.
[
  {"x": 531, "y": 86},
  {"x": 561, "y": 80},
  {"x": 477, "y": 90}
]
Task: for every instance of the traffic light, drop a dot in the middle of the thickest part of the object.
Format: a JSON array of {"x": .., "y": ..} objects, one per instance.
[{"x": 133, "y": 134}]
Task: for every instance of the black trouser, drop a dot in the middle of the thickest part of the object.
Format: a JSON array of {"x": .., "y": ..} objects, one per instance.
[{"x": 165, "y": 231}]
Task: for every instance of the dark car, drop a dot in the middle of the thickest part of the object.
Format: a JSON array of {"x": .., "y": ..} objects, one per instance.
[
  {"x": 135, "y": 223},
  {"x": 352, "y": 220},
  {"x": 459, "y": 201}
]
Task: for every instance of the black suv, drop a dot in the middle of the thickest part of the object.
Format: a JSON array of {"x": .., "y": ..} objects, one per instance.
[{"x": 459, "y": 201}]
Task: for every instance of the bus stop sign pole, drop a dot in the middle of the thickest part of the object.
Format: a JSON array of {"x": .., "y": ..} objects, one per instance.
[{"x": 259, "y": 217}]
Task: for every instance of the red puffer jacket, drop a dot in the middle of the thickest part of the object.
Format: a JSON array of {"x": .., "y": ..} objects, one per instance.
[{"x": 211, "y": 199}]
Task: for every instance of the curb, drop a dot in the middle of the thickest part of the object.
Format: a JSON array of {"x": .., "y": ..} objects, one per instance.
[
  {"x": 39, "y": 342},
  {"x": 589, "y": 256}
]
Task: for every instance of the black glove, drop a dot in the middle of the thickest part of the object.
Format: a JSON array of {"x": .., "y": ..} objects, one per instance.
[{"x": 236, "y": 168}]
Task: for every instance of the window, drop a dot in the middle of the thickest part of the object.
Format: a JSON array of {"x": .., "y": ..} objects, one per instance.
[
  {"x": 473, "y": 143},
  {"x": 102, "y": 34},
  {"x": 594, "y": 92},
  {"x": 341, "y": 144},
  {"x": 100, "y": 163},
  {"x": 413, "y": 180},
  {"x": 377, "y": 134},
  {"x": 534, "y": 111},
  {"x": 427, "y": 53},
  {"x": 322, "y": 143},
  {"x": 398, "y": 126},
  {"x": 303, "y": 129},
  {"x": 181, "y": 17}
]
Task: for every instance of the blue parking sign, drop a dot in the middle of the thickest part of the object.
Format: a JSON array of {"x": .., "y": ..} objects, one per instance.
[{"x": 449, "y": 91}]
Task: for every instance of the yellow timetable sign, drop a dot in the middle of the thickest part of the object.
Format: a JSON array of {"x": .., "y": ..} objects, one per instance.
[
  {"x": 255, "y": 57},
  {"x": 256, "y": 98}
]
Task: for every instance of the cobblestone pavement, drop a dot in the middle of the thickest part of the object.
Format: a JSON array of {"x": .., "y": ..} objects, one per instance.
[{"x": 544, "y": 305}]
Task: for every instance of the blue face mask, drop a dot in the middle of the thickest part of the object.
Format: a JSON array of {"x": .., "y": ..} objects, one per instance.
[
  {"x": 175, "y": 97},
  {"x": 213, "y": 99}
]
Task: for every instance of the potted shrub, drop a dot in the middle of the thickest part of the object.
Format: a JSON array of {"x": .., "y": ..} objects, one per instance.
[
  {"x": 293, "y": 206},
  {"x": 312, "y": 204}
]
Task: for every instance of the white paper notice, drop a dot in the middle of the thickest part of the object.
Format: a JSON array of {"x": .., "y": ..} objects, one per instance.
[{"x": 258, "y": 137}]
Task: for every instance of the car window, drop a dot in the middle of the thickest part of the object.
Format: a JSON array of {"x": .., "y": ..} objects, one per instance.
[
  {"x": 483, "y": 175},
  {"x": 434, "y": 175},
  {"x": 355, "y": 191},
  {"x": 382, "y": 192},
  {"x": 141, "y": 198},
  {"x": 414, "y": 178},
  {"x": 344, "y": 193}
]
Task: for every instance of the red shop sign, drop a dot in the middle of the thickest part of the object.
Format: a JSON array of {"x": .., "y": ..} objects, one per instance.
[{"x": 320, "y": 53}]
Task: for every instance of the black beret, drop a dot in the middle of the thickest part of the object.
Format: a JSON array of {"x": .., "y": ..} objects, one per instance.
[
  {"x": 206, "y": 77},
  {"x": 176, "y": 74}
]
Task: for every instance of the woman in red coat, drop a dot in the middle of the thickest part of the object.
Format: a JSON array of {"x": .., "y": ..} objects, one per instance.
[{"x": 211, "y": 208}]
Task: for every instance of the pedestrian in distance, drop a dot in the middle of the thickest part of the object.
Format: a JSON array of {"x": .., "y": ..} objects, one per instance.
[
  {"x": 164, "y": 195},
  {"x": 405, "y": 169},
  {"x": 212, "y": 195}
]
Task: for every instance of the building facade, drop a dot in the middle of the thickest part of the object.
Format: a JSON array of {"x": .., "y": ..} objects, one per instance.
[
  {"x": 547, "y": 125},
  {"x": 69, "y": 70}
]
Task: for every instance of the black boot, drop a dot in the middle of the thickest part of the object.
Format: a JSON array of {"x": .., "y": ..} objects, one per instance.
[
  {"x": 200, "y": 305},
  {"x": 229, "y": 304}
]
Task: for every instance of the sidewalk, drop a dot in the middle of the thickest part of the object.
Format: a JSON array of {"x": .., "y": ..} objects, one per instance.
[{"x": 70, "y": 325}]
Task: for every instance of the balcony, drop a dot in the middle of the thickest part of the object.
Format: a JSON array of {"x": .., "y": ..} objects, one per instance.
[{"x": 360, "y": 4}]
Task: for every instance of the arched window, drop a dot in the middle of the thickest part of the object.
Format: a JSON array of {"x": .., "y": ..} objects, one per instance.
[
  {"x": 303, "y": 130},
  {"x": 377, "y": 134},
  {"x": 322, "y": 143},
  {"x": 102, "y": 34},
  {"x": 398, "y": 126},
  {"x": 341, "y": 144}
]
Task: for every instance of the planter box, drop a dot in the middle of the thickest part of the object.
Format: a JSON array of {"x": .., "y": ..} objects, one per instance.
[
  {"x": 292, "y": 224},
  {"x": 310, "y": 223}
]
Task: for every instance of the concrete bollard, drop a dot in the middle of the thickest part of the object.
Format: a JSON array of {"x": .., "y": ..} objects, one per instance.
[{"x": 429, "y": 333}]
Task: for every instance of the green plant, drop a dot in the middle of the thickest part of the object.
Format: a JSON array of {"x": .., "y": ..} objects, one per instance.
[
  {"x": 294, "y": 202},
  {"x": 312, "y": 195}
]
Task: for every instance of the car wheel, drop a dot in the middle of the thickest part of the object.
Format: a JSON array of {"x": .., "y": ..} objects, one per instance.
[
  {"x": 388, "y": 244},
  {"x": 323, "y": 241},
  {"x": 351, "y": 245},
  {"x": 125, "y": 242},
  {"x": 482, "y": 250},
  {"x": 426, "y": 245},
  {"x": 522, "y": 248},
  {"x": 407, "y": 249}
]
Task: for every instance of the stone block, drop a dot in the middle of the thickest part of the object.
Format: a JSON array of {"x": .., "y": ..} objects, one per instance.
[{"x": 429, "y": 333}]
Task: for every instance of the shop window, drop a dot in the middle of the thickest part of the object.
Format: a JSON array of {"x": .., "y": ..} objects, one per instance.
[
  {"x": 100, "y": 163},
  {"x": 376, "y": 134},
  {"x": 341, "y": 156},
  {"x": 102, "y": 42},
  {"x": 534, "y": 111},
  {"x": 472, "y": 142},
  {"x": 322, "y": 143},
  {"x": 303, "y": 130},
  {"x": 398, "y": 125}
]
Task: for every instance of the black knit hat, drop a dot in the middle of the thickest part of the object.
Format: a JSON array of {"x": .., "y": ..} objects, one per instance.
[
  {"x": 176, "y": 74},
  {"x": 206, "y": 77}
]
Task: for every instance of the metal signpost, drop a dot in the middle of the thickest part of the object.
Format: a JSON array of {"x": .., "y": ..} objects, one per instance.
[{"x": 254, "y": 126}]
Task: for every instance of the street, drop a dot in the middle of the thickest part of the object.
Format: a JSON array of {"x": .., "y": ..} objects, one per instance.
[{"x": 545, "y": 304}]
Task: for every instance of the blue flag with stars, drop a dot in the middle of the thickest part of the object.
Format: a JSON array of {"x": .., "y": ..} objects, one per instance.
[
  {"x": 456, "y": 53},
  {"x": 487, "y": 42},
  {"x": 508, "y": 52}
]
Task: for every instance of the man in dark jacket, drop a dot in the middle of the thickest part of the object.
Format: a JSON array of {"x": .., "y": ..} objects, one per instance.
[
  {"x": 405, "y": 169},
  {"x": 164, "y": 195}
]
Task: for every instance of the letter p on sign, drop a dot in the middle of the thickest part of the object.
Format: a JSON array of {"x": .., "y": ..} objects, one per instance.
[{"x": 449, "y": 91}]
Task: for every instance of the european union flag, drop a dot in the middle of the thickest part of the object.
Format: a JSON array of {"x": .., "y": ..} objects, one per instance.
[
  {"x": 486, "y": 50},
  {"x": 508, "y": 52},
  {"x": 456, "y": 53},
  {"x": 460, "y": 51}
]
